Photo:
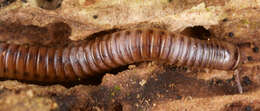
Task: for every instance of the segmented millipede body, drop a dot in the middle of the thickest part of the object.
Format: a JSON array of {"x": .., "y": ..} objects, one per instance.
[{"x": 111, "y": 51}]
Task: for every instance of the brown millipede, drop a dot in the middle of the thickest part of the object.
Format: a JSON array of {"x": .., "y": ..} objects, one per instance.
[{"x": 111, "y": 51}]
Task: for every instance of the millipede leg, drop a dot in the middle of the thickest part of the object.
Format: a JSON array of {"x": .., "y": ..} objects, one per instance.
[{"x": 239, "y": 86}]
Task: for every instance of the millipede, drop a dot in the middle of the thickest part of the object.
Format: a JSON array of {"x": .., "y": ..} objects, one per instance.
[{"x": 36, "y": 63}]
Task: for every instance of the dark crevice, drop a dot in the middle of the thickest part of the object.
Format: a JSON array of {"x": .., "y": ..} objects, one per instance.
[
  {"x": 49, "y": 4},
  {"x": 91, "y": 80},
  {"x": 4, "y": 3},
  {"x": 95, "y": 16},
  {"x": 101, "y": 34},
  {"x": 118, "y": 69},
  {"x": 230, "y": 34},
  {"x": 117, "y": 107},
  {"x": 95, "y": 80},
  {"x": 197, "y": 32}
]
